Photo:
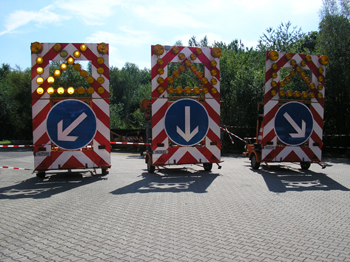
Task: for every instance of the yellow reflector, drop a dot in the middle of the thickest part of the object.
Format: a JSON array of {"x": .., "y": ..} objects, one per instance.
[
  {"x": 40, "y": 90},
  {"x": 281, "y": 93},
  {"x": 179, "y": 90},
  {"x": 70, "y": 90},
  {"x": 320, "y": 79},
  {"x": 204, "y": 80},
  {"x": 90, "y": 90},
  {"x": 213, "y": 81},
  {"x": 205, "y": 90},
  {"x": 303, "y": 63},
  {"x": 187, "y": 90},
  {"x": 320, "y": 70},
  {"x": 213, "y": 63},
  {"x": 83, "y": 47},
  {"x": 188, "y": 63},
  {"x": 60, "y": 90},
  {"x": 176, "y": 74},
  {"x": 70, "y": 61},
  {"x": 57, "y": 47},
  {"x": 100, "y": 80},
  {"x": 160, "y": 61},
  {"x": 282, "y": 84},
  {"x": 292, "y": 73},
  {"x": 307, "y": 80},
  {"x": 312, "y": 86},
  {"x": 83, "y": 73},
  {"x": 198, "y": 51},
  {"x": 293, "y": 62},
  {"x": 90, "y": 79},
  {"x": 319, "y": 95},
  {"x": 39, "y": 60},
  {"x": 303, "y": 74},
  {"x": 39, "y": 70},
  {"x": 273, "y": 55},
  {"x": 182, "y": 68},
  {"x": 312, "y": 95},
  {"x": 213, "y": 72},
  {"x": 170, "y": 90},
  {"x": 216, "y": 52},
  {"x": 50, "y": 79},
  {"x": 288, "y": 78},
  {"x": 36, "y": 47},
  {"x": 199, "y": 74},
  {"x": 100, "y": 60},
  {"x": 76, "y": 54},
  {"x": 196, "y": 90},
  {"x": 50, "y": 90},
  {"x": 100, "y": 90},
  {"x": 319, "y": 87},
  {"x": 274, "y": 75},
  {"x": 57, "y": 73},
  {"x": 77, "y": 67},
  {"x": 100, "y": 70},
  {"x": 273, "y": 92},
  {"x": 158, "y": 50},
  {"x": 160, "y": 80},
  {"x": 289, "y": 93},
  {"x": 181, "y": 56},
  {"x": 297, "y": 94},
  {"x": 39, "y": 80},
  {"x": 288, "y": 56},
  {"x": 63, "y": 53},
  {"x": 214, "y": 90},
  {"x": 81, "y": 90},
  {"x": 160, "y": 90},
  {"x": 175, "y": 50},
  {"x": 170, "y": 80},
  {"x": 102, "y": 48},
  {"x": 324, "y": 60},
  {"x": 273, "y": 84},
  {"x": 274, "y": 66},
  {"x": 308, "y": 58},
  {"x": 304, "y": 94},
  {"x": 160, "y": 71},
  {"x": 63, "y": 66},
  {"x": 193, "y": 68},
  {"x": 193, "y": 57},
  {"x": 298, "y": 68}
]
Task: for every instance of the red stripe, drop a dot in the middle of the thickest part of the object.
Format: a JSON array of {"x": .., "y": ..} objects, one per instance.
[
  {"x": 159, "y": 139},
  {"x": 41, "y": 116},
  {"x": 47, "y": 162},
  {"x": 271, "y": 114},
  {"x": 311, "y": 154},
  {"x": 101, "y": 115},
  {"x": 101, "y": 140},
  {"x": 316, "y": 116},
  {"x": 158, "y": 115},
  {"x": 214, "y": 138},
  {"x": 208, "y": 155},
  {"x": 43, "y": 140},
  {"x": 269, "y": 137},
  {"x": 212, "y": 113}
]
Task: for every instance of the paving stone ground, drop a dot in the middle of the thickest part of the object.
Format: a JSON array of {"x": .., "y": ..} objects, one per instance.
[{"x": 235, "y": 213}]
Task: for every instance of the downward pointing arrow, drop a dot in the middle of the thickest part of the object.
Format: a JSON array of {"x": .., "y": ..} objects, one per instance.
[
  {"x": 62, "y": 135},
  {"x": 188, "y": 134},
  {"x": 300, "y": 132}
]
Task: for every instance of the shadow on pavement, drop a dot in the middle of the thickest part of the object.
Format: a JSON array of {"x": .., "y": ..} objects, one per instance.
[
  {"x": 53, "y": 184},
  {"x": 170, "y": 180},
  {"x": 280, "y": 179}
]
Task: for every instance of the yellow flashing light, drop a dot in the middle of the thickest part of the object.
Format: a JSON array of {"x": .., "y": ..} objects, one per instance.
[
  {"x": 187, "y": 90},
  {"x": 312, "y": 86},
  {"x": 160, "y": 71},
  {"x": 288, "y": 56},
  {"x": 90, "y": 90},
  {"x": 320, "y": 79},
  {"x": 289, "y": 93},
  {"x": 298, "y": 68},
  {"x": 182, "y": 68},
  {"x": 39, "y": 70},
  {"x": 57, "y": 73},
  {"x": 70, "y": 90},
  {"x": 213, "y": 72},
  {"x": 160, "y": 80},
  {"x": 102, "y": 48},
  {"x": 321, "y": 70},
  {"x": 158, "y": 50},
  {"x": 303, "y": 63},
  {"x": 213, "y": 81},
  {"x": 199, "y": 74},
  {"x": 179, "y": 90},
  {"x": 193, "y": 68},
  {"x": 63, "y": 66},
  {"x": 193, "y": 57},
  {"x": 176, "y": 74},
  {"x": 50, "y": 90},
  {"x": 81, "y": 90},
  {"x": 274, "y": 66},
  {"x": 292, "y": 73},
  {"x": 319, "y": 95},
  {"x": 213, "y": 63},
  {"x": 175, "y": 50},
  {"x": 304, "y": 94},
  {"x": 83, "y": 73},
  {"x": 36, "y": 47},
  {"x": 39, "y": 80},
  {"x": 57, "y": 47},
  {"x": 319, "y": 87},
  {"x": 160, "y": 90},
  {"x": 77, "y": 67},
  {"x": 50, "y": 80},
  {"x": 39, "y": 60},
  {"x": 100, "y": 60},
  {"x": 100, "y": 80},
  {"x": 83, "y": 47},
  {"x": 308, "y": 58},
  {"x": 281, "y": 93},
  {"x": 100, "y": 70},
  {"x": 297, "y": 94},
  {"x": 312, "y": 95},
  {"x": 273, "y": 92},
  {"x": 274, "y": 75},
  {"x": 198, "y": 51},
  {"x": 188, "y": 63},
  {"x": 196, "y": 90},
  {"x": 63, "y": 53},
  {"x": 216, "y": 52},
  {"x": 40, "y": 90},
  {"x": 324, "y": 60},
  {"x": 60, "y": 90},
  {"x": 293, "y": 62},
  {"x": 76, "y": 54},
  {"x": 273, "y": 83},
  {"x": 205, "y": 90},
  {"x": 70, "y": 60},
  {"x": 181, "y": 56},
  {"x": 170, "y": 80},
  {"x": 90, "y": 79},
  {"x": 170, "y": 90},
  {"x": 288, "y": 78},
  {"x": 160, "y": 61},
  {"x": 307, "y": 80},
  {"x": 214, "y": 90},
  {"x": 204, "y": 80},
  {"x": 273, "y": 55},
  {"x": 282, "y": 84},
  {"x": 303, "y": 74}
]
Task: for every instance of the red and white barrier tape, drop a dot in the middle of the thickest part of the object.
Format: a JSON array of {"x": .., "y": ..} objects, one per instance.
[
  {"x": 130, "y": 143},
  {"x": 16, "y": 146},
  {"x": 335, "y": 135},
  {"x": 228, "y": 132},
  {"x": 16, "y": 168}
]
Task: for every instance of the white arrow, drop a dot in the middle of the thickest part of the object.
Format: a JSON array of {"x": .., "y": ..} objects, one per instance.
[
  {"x": 62, "y": 135},
  {"x": 300, "y": 132},
  {"x": 187, "y": 135}
]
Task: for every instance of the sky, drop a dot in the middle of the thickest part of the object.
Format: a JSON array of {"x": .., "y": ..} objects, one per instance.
[{"x": 130, "y": 27}]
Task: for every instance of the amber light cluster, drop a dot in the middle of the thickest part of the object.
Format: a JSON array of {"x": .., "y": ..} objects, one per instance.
[
  {"x": 186, "y": 62},
  {"x": 37, "y": 48},
  {"x": 297, "y": 69}
]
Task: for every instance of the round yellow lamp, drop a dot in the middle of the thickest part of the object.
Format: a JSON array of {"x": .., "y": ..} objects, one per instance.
[
  {"x": 50, "y": 90},
  {"x": 158, "y": 50},
  {"x": 83, "y": 47},
  {"x": 273, "y": 55},
  {"x": 100, "y": 90},
  {"x": 40, "y": 90},
  {"x": 70, "y": 90},
  {"x": 50, "y": 80},
  {"x": 90, "y": 90},
  {"x": 39, "y": 60},
  {"x": 39, "y": 70},
  {"x": 60, "y": 90},
  {"x": 39, "y": 80},
  {"x": 81, "y": 90},
  {"x": 63, "y": 66},
  {"x": 57, "y": 73}
]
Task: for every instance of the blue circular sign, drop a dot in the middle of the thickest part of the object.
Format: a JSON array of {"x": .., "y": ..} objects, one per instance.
[
  {"x": 186, "y": 122},
  {"x": 293, "y": 123},
  {"x": 71, "y": 124}
]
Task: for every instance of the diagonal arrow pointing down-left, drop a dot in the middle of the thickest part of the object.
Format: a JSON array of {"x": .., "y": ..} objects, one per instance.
[{"x": 62, "y": 135}]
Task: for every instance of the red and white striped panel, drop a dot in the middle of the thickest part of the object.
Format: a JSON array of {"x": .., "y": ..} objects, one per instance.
[
  {"x": 207, "y": 152},
  {"x": 272, "y": 149},
  {"x": 99, "y": 154}
]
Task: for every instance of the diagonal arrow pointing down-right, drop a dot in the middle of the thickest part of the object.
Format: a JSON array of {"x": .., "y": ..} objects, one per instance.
[{"x": 300, "y": 132}]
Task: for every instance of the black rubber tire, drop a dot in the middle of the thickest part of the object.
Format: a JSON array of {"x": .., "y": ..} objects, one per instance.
[
  {"x": 41, "y": 174},
  {"x": 253, "y": 162},
  {"x": 150, "y": 168},
  {"x": 305, "y": 165},
  {"x": 208, "y": 166},
  {"x": 104, "y": 172}
]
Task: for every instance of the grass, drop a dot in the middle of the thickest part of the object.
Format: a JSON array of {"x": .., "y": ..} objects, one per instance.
[{"x": 5, "y": 142}]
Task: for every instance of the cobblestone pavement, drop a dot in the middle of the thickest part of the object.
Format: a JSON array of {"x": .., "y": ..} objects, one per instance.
[{"x": 279, "y": 213}]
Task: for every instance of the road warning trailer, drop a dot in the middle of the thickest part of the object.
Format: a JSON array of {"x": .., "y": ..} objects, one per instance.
[
  {"x": 71, "y": 128},
  {"x": 185, "y": 121},
  {"x": 291, "y": 126}
]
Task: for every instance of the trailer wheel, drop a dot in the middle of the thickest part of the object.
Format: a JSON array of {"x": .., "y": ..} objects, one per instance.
[
  {"x": 150, "y": 168},
  {"x": 40, "y": 174},
  {"x": 305, "y": 165},
  {"x": 208, "y": 166},
  {"x": 104, "y": 171},
  {"x": 253, "y": 162}
]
